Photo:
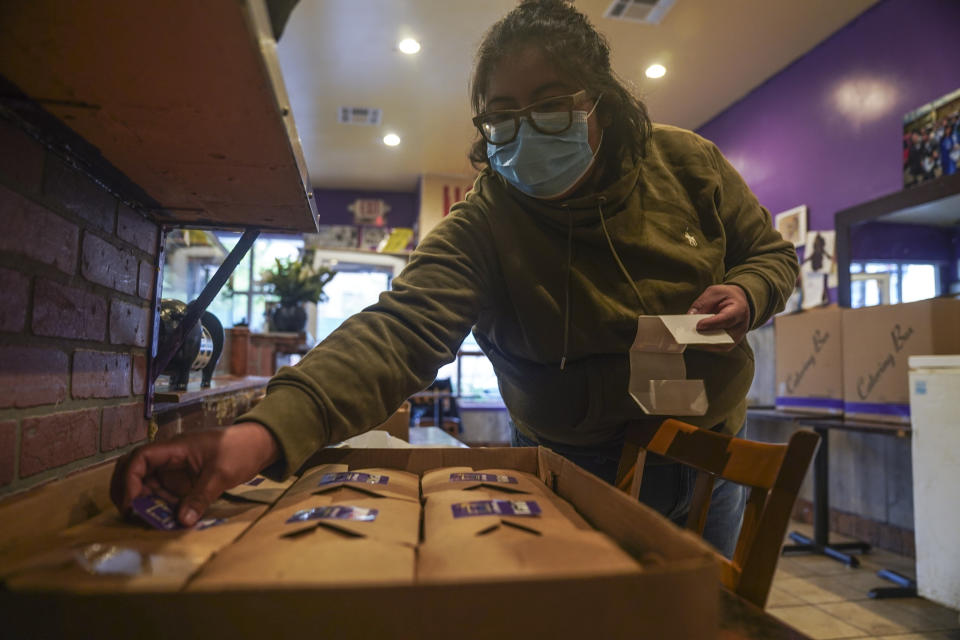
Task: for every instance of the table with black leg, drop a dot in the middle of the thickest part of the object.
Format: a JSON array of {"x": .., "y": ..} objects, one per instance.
[
  {"x": 821, "y": 505},
  {"x": 820, "y": 542}
]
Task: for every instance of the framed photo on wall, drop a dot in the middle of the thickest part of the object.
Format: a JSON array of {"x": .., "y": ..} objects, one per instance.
[
  {"x": 931, "y": 140},
  {"x": 792, "y": 225}
]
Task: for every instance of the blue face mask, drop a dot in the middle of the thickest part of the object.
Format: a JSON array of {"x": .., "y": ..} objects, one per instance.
[{"x": 545, "y": 165}]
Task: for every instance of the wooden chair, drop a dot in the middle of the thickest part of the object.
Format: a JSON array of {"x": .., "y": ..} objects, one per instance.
[{"x": 773, "y": 472}]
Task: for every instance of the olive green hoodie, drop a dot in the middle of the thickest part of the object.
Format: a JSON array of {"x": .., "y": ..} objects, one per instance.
[{"x": 540, "y": 286}]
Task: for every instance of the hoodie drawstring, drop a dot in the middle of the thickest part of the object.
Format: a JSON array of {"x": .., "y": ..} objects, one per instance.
[
  {"x": 566, "y": 284},
  {"x": 623, "y": 269},
  {"x": 566, "y": 294}
]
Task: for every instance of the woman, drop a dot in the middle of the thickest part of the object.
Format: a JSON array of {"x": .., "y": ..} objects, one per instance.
[{"x": 584, "y": 216}]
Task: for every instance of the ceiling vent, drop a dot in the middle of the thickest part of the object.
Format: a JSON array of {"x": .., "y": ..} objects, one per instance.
[
  {"x": 648, "y": 11},
  {"x": 359, "y": 115}
]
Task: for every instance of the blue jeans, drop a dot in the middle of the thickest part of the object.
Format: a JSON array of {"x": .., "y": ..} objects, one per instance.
[{"x": 666, "y": 488}]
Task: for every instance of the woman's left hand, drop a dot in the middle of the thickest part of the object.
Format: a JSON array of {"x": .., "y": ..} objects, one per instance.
[{"x": 728, "y": 303}]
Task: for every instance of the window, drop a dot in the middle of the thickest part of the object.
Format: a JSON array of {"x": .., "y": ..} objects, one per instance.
[
  {"x": 192, "y": 257},
  {"x": 472, "y": 374},
  {"x": 244, "y": 299},
  {"x": 873, "y": 283},
  {"x": 355, "y": 287}
]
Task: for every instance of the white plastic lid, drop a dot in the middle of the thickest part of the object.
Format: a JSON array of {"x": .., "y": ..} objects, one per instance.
[{"x": 934, "y": 362}]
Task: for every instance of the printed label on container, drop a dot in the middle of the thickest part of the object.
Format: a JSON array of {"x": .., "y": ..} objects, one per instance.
[
  {"x": 352, "y": 476},
  {"x": 158, "y": 513},
  {"x": 155, "y": 512},
  {"x": 255, "y": 482},
  {"x": 482, "y": 477},
  {"x": 335, "y": 512},
  {"x": 496, "y": 508}
]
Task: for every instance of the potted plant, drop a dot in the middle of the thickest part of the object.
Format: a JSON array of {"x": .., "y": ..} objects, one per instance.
[{"x": 294, "y": 282}]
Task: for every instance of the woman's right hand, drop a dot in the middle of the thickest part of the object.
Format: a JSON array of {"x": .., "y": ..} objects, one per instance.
[{"x": 193, "y": 469}]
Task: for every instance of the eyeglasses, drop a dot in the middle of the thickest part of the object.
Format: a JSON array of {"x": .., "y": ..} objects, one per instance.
[{"x": 551, "y": 116}]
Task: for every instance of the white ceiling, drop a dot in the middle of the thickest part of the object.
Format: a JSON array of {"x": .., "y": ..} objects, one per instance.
[{"x": 343, "y": 53}]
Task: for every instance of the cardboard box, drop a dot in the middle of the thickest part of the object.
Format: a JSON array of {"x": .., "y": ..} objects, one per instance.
[
  {"x": 676, "y": 596},
  {"x": 877, "y": 343},
  {"x": 398, "y": 425},
  {"x": 809, "y": 361}
]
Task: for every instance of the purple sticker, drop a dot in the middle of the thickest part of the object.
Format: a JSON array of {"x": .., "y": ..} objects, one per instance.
[
  {"x": 353, "y": 476},
  {"x": 155, "y": 512},
  {"x": 482, "y": 477},
  {"x": 255, "y": 482},
  {"x": 496, "y": 508},
  {"x": 158, "y": 513},
  {"x": 335, "y": 512}
]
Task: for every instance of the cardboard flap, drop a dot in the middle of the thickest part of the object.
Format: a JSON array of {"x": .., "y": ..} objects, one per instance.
[
  {"x": 260, "y": 489},
  {"x": 503, "y": 481}
]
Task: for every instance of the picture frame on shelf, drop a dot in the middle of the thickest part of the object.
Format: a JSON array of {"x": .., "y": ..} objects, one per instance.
[{"x": 792, "y": 225}]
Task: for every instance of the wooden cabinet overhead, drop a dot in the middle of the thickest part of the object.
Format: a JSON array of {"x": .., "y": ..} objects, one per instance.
[{"x": 184, "y": 97}]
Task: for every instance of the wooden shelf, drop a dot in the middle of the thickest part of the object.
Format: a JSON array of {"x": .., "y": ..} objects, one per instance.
[
  {"x": 221, "y": 385},
  {"x": 932, "y": 203},
  {"x": 184, "y": 98}
]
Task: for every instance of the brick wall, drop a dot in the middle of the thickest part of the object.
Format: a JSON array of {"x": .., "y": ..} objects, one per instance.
[{"x": 77, "y": 272}]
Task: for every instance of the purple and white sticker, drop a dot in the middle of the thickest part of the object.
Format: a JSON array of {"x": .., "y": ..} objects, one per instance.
[
  {"x": 482, "y": 477},
  {"x": 158, "y": 513},
  {"x": 496, "y": 508},
  {"x": 353, "y": 476},
  {"x": 335, "y": 512},
  {"x": 255, "y": 482}
]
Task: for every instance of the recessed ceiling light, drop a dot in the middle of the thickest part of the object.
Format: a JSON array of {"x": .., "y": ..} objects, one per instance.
[
  {"x": 656, "y": 71},
  {"x": 391, "y": 139},
  {"x": 409, "y": 46}
]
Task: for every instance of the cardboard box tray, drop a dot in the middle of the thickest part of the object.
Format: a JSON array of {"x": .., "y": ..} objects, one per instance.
[{"x": 677, "y": 594}]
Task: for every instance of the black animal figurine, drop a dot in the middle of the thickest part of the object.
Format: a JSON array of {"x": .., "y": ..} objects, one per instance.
[{"x": 201, "y": 348}]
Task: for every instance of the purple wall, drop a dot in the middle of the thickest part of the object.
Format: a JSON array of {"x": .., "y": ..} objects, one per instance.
[
  {"x": 332, "y": 206},
  {"x": 826, "y": 131}
]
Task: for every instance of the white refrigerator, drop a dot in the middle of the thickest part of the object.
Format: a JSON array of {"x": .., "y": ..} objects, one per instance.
[{"x": 935, "y": 420}]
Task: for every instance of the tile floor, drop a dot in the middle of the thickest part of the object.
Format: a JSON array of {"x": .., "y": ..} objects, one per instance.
[{"x": 825, "y": 600}]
